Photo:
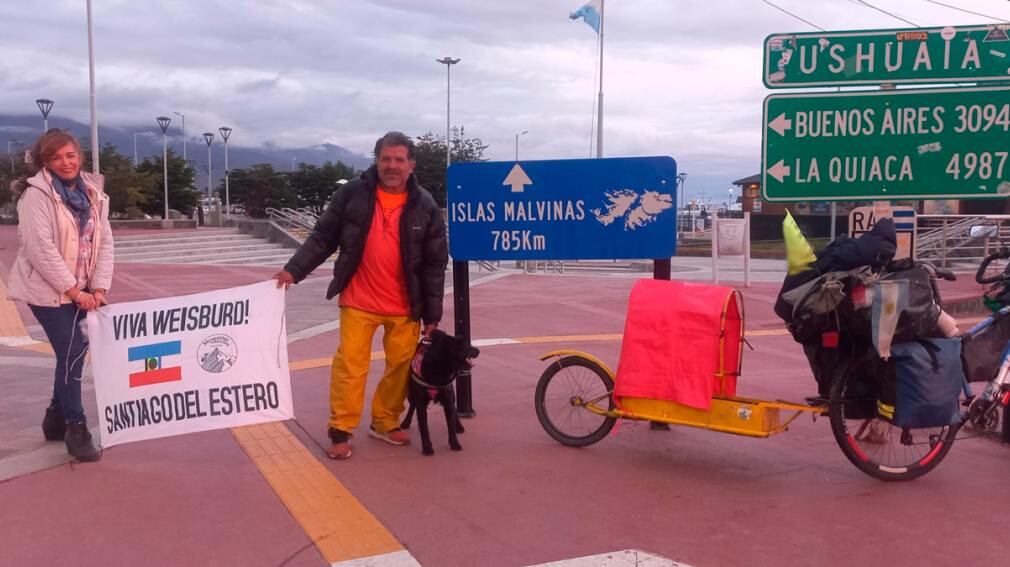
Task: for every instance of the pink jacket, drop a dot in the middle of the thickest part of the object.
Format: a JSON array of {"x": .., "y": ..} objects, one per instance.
[{"x": 48, "y": 243}]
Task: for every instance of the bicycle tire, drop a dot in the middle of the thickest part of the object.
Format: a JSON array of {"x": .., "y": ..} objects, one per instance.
[
  {"x": 887, "y": 456},
  {"x": 557, "y": 401}
]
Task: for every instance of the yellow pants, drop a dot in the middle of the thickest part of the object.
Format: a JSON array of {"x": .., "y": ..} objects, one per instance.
[{"x": 349, "y": 371}]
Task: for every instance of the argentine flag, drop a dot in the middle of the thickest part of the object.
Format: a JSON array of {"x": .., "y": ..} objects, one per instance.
[{"x": 590, "y": 13}]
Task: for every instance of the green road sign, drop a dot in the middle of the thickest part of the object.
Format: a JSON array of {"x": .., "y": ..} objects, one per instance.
[
  {"x": 872, "y": 57},
  {"x": 887, "y": 145}
]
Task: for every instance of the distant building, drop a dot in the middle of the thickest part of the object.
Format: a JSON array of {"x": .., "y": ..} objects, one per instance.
[{"x": 814, "y": 217}]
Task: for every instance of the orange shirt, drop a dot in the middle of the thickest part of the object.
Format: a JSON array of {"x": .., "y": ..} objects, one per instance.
[{"x": 379, "y": 285}]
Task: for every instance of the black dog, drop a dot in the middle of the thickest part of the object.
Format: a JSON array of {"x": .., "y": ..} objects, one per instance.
[{"x": 432, "y": 372}]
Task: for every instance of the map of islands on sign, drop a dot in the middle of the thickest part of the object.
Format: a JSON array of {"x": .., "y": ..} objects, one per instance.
[{"x": 635, "y": 210}]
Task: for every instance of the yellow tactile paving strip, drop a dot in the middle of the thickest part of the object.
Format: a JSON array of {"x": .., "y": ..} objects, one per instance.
[
  {"x": 339, "y": 526},
  {"x": 11, "y": 324}
]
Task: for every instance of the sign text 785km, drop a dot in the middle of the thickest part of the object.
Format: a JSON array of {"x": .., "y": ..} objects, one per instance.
[{"x": 892, "y": 145}]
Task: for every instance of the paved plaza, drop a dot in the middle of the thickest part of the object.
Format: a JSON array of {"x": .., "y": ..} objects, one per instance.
[{"x": 267, "y": 495}]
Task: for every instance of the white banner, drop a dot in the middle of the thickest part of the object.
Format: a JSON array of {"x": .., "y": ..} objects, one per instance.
[{"x": 192, "y": 363}]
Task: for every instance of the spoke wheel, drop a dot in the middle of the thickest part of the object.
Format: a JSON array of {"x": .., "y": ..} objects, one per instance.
[
  {"x": 562, "y": 393},
  {"x": 876, "y": 446}
]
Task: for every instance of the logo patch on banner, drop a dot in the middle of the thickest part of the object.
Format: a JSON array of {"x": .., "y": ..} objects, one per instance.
[
  {"x": 155, "y": 372},
  {"x": 217, "y": 353}
]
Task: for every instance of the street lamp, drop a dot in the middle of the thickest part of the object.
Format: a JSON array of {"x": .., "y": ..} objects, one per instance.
[
  {"x": 183, "y": 116},
  {"x": 225, "y": 132},
  {"x": 209, "y": 137},
  {"x": 517, "y": 142},
  {"x": 448, "y": 62},
  {"x": 164, "y": 121},
  {"x": 11, "y": 155},
  {"x": 45, "y": 105},
  {"x": 136, "y": 156},
  {"x": 681, "y": 177}
]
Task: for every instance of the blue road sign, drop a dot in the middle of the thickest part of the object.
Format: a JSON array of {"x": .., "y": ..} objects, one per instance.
[{"x": 578, "y": 209}]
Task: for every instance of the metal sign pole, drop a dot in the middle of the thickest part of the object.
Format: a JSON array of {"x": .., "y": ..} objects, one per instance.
[{"x": 461, "y": 319}]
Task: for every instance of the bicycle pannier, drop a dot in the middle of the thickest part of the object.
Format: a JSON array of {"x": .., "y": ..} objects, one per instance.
[{"x": 929, "y": 380}]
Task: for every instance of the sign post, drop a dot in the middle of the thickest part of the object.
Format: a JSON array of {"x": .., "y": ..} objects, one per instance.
[
  {"x": 887, "y": 145},
  {"x": 731, "y": 237},
  {"x": 606, "y": 208}
]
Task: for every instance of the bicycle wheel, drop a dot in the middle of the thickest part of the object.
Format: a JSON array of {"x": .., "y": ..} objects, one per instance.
[
  {"x": 562, "y": 393},
  {"x": 877, "y": 447}
]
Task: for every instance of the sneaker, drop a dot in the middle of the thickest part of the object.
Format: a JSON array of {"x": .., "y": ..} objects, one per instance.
[
  {"x": 340, "y": 448},
  {"x": 394, "y": 436},
  {"x": 54, "y": 428}
]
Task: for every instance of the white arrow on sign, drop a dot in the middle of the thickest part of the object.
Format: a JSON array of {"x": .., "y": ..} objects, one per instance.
[
  {"x": 780, "y": 124},
  {"x": 779, "y": 170},
  {"x": 517, "y": 178}
]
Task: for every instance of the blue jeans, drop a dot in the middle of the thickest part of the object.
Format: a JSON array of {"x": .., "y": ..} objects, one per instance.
[{"x": 63, "y": 328}]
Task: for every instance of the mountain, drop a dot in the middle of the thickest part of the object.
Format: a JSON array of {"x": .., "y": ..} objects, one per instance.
[{"x": 26, "y": 129}]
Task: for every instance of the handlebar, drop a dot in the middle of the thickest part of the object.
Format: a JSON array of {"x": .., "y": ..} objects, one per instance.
[{"x": 1001, "y": 254}]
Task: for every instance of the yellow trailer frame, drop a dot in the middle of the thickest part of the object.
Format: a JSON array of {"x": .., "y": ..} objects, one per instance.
[{"x": 737, "y": 415}]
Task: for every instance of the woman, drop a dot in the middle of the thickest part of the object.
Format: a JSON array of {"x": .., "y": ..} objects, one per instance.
[{"x": 63, "y": 270}]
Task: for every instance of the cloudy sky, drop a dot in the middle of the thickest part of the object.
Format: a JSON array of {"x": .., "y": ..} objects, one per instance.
[{"x": 681, "y": 77}]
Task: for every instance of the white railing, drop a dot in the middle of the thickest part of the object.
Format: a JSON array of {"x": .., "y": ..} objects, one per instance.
[
  {"x": 299, "y": 219},
  {"x": 945, "y": 238}
]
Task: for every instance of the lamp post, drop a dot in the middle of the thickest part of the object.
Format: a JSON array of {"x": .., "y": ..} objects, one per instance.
[
  {"x": 183, "y": 116},
  {"x": 45, "y": 105},
  {"x": 136, "y": 156},
  {"x": 448, "y": 62},
  {"x": 95, "y": 149},
  {"x": 9, "y": 154},
  {"x": 681, "y": 177},
  {"x": 517, "y": 142},
  {"x": 164, "y": 121},
  {"x": 225, "y": 132},
  {"x": 209, "y": 138}
]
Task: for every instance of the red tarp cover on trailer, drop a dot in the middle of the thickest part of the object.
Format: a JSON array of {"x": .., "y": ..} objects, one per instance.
[{"x": 671, "y": 347}]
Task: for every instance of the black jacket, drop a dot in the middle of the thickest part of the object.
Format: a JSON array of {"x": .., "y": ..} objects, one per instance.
[{"x": 344, "y": 225}]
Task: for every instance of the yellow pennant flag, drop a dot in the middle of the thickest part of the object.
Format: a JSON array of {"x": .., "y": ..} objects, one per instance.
[{"x": 799, "y": 253}]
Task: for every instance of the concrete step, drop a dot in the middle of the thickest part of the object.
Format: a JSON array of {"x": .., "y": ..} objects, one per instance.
[
  {"x": 276, "y": 261},
  {"x": 178, "y": 233},
  {"x": 254, "y": 246},
  {"x": 134, "y": 242},
  {"x": 216, "y": 257}
]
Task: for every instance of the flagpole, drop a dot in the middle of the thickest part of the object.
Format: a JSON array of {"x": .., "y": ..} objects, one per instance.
[{"x": 599, "y": 112}]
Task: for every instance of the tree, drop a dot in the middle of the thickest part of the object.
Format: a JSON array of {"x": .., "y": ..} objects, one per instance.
[
  {"x": 315, "y": 185},
  {"x": 259, "y": 188},
  {"x": 430, "y": 159},
  {"x": 127, "y": 187},
  {"x": 182, "y": 195},
  {"x": 12, "y": 167}
]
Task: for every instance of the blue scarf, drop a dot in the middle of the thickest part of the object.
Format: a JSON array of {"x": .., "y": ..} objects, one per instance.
[{"x": 75, "y": 200}]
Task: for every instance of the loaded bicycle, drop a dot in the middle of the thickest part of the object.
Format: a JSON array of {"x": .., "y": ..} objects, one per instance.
[{"x": 579, "y": 398}]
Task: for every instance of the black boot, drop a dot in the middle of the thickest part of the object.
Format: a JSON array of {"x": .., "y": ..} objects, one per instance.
[
  {"x": 79, "y": 444},
  {"x": 53, "y": 426}
]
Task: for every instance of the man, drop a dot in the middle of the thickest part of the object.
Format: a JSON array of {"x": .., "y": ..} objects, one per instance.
[{"x": 390, "y": 273}]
